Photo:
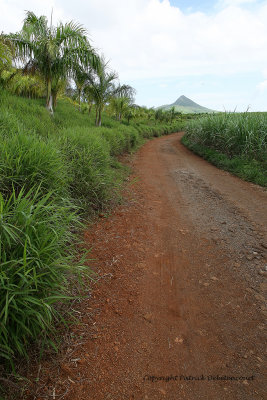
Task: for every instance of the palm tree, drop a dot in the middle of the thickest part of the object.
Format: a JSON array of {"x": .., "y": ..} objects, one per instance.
[
  {"x": 159, "y": 116},
  {"x": 130, "y": 113},
  {"x": 88, "y": 96},
  {"x": 80, "y": 77},
  {"x": 52, "y": 51},
  {"x": 100, "y": 87},
  {"x": 120, "y": 105},
  {"x": 122, "y": 99}
]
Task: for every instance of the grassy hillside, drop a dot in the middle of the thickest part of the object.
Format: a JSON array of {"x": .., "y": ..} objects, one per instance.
[
  {"x": 188, "y": 109},
  {"x": 53, "y": 170}
]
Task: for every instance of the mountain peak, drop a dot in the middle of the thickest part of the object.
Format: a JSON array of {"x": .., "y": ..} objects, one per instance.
[
  {"x": 185, "y": 102},
  {"x": 185, "y": 105},
  {"x": 183, "y": 98}
]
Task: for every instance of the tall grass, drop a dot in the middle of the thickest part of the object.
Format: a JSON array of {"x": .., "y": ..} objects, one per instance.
[
  {"x": 88, "y": 157},
  {"x": 243, "y": 134},
  {"x": 34, "y": 234},
  {"x": 234, "y": 142},
  {"x": 29, "y": 115},
  {"x": 27, "y": 161}
]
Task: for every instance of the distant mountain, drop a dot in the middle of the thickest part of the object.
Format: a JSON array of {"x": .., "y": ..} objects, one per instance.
[{"x": 186, "y": 106}]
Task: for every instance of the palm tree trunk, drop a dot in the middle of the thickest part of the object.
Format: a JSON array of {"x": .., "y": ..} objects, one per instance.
[
  {"x": 54, "y": 100},
  {"x": 49, "y": 97},
  {"x": 79, "y": 99},
  {"x": 50, "y": 104},
  {"x": 99, "y": 117},
  {"x": 96, "y": 116}
]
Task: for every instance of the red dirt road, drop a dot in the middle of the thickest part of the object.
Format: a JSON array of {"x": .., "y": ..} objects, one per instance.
[{"x": 180, "y": 294}]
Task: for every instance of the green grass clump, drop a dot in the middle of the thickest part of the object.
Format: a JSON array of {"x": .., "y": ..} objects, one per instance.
[
  {"x": 234, "y": 142},
  {"x": 88, "y": 152},
  {"x": 34, "y": 234},
  {"x": 27, "y": 161},
  {"x": 90, "y": 175}
]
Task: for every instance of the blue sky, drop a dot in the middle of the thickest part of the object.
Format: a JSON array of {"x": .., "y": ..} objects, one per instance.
[
  {"x": 211, "y": 6},
  {"x": 214, "y": 52},
  {"x": 223, "y": 93},
  {"x": 189, "y": 6}
]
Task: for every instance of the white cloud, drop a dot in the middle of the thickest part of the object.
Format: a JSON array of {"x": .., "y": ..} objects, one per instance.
[
  {"x": 147, "y": 39},
  {"x": 150, "y": 38},
  {"x": 262, "y": 86},
  {"x": 13, "y": 12}
]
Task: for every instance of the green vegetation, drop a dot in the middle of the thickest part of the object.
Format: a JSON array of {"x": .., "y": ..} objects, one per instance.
[{"x": 234, "y": 142}]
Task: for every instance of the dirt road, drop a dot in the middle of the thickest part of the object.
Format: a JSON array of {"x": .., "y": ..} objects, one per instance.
[{"x": 178, "y": 310}]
